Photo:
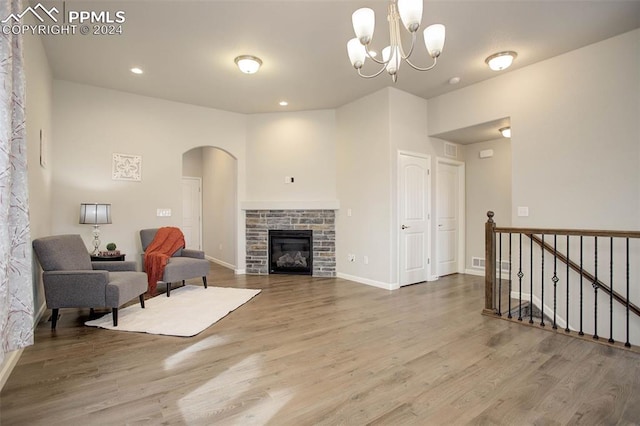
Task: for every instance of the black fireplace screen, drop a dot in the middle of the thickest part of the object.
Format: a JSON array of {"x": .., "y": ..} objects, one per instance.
[{"x": 290, "y": 252}]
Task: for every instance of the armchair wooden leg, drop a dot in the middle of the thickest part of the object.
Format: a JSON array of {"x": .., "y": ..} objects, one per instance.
[
  {"x": 54, "y": 318},
  {"x": 142, "y": 300},
  {"x": 168, "y": 289},
  {"x": 114, "y": 312},
  {"x": 204, "y": 280}
]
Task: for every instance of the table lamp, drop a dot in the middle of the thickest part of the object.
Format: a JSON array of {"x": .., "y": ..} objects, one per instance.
[{"x": 95, "y": 214}]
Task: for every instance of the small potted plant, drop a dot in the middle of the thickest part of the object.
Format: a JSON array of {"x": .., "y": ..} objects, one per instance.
[{"x": 111, "y": 250}]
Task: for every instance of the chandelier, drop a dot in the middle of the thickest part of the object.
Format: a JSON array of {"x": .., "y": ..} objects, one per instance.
[{"x": 410, "y": 12}]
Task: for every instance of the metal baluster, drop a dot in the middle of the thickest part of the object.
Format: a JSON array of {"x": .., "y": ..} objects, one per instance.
[
  {"x": 542, "y": 281},
  {"x": 627, "y": 344},
  {"x": 500, "y": 278},
  {"x": 581, "y": 332},
  {"x": 595, "y": 292},
  {"x": 520, "y": 275},
  {"x": 566, "y": 329},
  {"x": 611, "y": 292},
  {"x": 531, "y": 279},
  {"x": 510, "y": 283},
  {"x": 555, "y": 280}
]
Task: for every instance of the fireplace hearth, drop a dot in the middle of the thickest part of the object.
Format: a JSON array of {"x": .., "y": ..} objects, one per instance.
[{"x": 290, "y": 252}]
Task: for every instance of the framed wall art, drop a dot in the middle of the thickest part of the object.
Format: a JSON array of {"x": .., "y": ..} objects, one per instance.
[{"x": 126, "y": 167}]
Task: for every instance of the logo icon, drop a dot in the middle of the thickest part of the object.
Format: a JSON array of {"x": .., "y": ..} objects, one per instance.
[{"x": 34, "y": 12}]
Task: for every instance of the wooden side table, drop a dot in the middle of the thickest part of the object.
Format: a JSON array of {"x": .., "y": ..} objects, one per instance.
[{"x": 96, "y": 258}]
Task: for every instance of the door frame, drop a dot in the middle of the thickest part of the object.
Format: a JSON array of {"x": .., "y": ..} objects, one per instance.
[
  {"x": 429, "y": 226},
  {"x": 461, "y": 210},
  {"x": 199, "y": 180}
]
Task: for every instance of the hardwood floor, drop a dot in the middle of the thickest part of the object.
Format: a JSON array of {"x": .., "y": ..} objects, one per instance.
[{"x": 325, "y": 351}]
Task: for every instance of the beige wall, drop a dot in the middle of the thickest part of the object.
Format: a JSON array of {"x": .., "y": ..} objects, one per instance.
[
  {"x": 298, "y": 144},
  {"x": 575, "y": 150},
  {"x": 488, "y": 187},
  {"x": 219, "y": 206},
  {"x": 93, "y": 123}
]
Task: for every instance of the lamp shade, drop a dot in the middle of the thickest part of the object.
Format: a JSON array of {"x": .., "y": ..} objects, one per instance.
[
  {"x": 393, "y": 64},
  {"x": 95, "y": 214},
  {"x": 434, "y": 39},
  {"x": 411, "y": 13},
  {"x": 357, "y": 53},
  {"x": 364, "y": 22}
]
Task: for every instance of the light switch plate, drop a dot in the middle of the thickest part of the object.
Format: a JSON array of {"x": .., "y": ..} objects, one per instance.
[
  {"x": 163, "y": 212},
  {"x": 523, "y": 211}
]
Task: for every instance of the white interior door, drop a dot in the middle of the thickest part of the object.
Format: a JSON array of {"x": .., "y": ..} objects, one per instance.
[
  {"x": 450, "y": 216},
  {"x": 413, "y": 198},
  {"x": 192, "y": 212}
]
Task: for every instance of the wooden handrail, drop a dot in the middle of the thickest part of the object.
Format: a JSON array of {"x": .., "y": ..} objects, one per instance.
[
  {"x": 548, "y": 247},
  {"x": 582, "y": 232}
]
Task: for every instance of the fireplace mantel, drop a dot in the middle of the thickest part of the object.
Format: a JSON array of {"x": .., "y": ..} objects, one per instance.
[{"x": 291, "y": 205}]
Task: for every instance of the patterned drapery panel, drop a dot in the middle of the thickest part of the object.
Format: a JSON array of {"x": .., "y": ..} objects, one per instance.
[{"x": 16, "y": 294}]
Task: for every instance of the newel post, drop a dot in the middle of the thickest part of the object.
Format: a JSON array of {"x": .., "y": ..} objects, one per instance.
[{"x": 489, "y": 264}]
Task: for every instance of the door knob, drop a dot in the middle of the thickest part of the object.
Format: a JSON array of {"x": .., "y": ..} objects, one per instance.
[{"x": 405, "y": 227}]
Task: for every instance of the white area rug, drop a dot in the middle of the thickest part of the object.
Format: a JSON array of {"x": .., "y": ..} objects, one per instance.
[{"x": 188, "y": 311}]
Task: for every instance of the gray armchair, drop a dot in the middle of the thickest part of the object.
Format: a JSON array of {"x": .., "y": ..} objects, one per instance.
[
  {"x": 71, "y": 280},
  {"x": 183, "y": 265}
]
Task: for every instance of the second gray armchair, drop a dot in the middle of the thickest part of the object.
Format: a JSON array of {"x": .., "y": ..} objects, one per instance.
[{"x": 183, "y": 265}]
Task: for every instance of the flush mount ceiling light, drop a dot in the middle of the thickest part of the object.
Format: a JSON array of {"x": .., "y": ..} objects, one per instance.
[
  {"x": 410, "y": 12},
  {"x": 506, "y": 132},
  {"x": 500, "y": 61},
  {"x": 248, "y": 64}
]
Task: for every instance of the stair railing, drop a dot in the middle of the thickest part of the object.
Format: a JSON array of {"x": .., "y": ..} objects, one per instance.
[{"x": 573, "y": 289}]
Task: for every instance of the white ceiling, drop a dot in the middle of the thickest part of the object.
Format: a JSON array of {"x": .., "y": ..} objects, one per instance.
[{"x": 186, "y": 48}]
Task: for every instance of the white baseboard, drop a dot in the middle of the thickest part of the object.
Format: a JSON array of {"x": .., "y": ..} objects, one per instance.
[
  {"x": 373, "y": 283},
  {"x": 477, "y": 272},
  {"x": 480, "y": 273},
  {"x": 220, "y": 262},
  {"x": 240, "y": 271},
  {"x": 12, "y": 358}
]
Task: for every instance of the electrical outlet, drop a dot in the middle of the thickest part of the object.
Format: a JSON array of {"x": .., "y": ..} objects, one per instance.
[
  {"x": 365, "y": 260},
  {"x": 352, "y": 258},
  {"x": 220, "y": 247}
]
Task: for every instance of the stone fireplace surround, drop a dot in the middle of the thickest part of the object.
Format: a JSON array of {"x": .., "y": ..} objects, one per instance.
[{"x": 321, "y": 222}]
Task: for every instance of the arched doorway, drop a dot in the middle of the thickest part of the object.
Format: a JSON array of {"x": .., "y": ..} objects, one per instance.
[{"x": 216, "y": 170}]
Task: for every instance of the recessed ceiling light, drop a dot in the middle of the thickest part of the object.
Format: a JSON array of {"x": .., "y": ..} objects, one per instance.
[
  {"x": 506, "y": 132},
  {"x": 454, "y": 80},
  {"x": 284, "y": 103},
  {"x": 136, "y": 70}
]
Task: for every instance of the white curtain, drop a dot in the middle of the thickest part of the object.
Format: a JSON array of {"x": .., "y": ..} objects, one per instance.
[{"x": 16, "y": 294}]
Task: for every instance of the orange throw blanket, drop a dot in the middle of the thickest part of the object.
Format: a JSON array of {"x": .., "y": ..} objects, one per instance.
[{"x": 166, "y": 242}]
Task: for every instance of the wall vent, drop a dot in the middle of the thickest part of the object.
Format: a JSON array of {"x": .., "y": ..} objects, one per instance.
[
  {"x": 479, "y": 262},
  {"x": 451, "y": 150}
]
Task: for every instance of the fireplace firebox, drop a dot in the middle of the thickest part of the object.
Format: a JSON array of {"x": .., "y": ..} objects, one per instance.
[{"x": 290, "y": 252}]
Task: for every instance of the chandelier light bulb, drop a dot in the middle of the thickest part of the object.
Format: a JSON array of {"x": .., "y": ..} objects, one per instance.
[
  {"x": 364, "y": 22},
  {"x": 410, "y": 13}
]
